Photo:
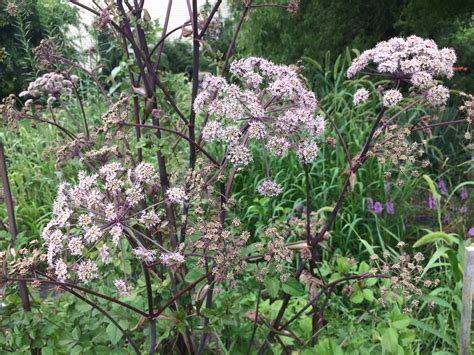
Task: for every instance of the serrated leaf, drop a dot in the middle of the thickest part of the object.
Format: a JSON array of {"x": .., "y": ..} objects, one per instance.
[
  {"x": 390, "y": 340},
  {"x": 293, "y": 287},
  {"x": 272, "y": 285},
  {"x": 357, "y": 297},
  {"x": 368, "y": 295}
]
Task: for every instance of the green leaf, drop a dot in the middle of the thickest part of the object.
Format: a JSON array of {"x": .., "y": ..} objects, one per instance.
[
  {"x": 427, "y": 328},
  {"x": 453, "y": 260},
  {"x": 272, "y": 285},
  {"x": 364, "y": 267},
  {"x": 434, "y": 237},
  {"x": 141, "y": 144},
  {"x": 407, "y": 337},
  {"x": 390, "y": 340},
  {"x": 293, "y": 287},
  {"x": 114, "y": 334},
  {"x": 342, "y": 264},
  {"x": 193, "y": 275},
  {"x": 432, "y": 186},
  {"x": 357, "y": 297},
  {"x": 368, "y": 295},
  {"x": 326, "y": 346},
  {"x": 401, "y": 323}
]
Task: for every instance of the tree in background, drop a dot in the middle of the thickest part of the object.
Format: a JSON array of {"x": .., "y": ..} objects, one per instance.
[
  {"x": 23, "y": 24},
  {"x": 332, "y": 25}
]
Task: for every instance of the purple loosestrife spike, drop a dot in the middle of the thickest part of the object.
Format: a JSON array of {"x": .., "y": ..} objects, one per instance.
[
  {"x": 464, "y": 194},
  {"x": 463, "y": 209},
  {"x": 370, "y": 203},
  {"x": 378, "y": 208},
  {"x": 442, "y": 187},
  {"x": 447, "y": 219},
  {"x": 390, "y": 207},
  {"x": 431, "y": 202},
  {"x": 470, "y": 232}
]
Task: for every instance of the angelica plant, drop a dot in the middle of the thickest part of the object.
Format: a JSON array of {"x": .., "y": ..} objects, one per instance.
[{"x": 170, "y": 218}]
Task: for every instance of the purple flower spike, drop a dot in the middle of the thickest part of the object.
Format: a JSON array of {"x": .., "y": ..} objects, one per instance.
[
  {"x": 463, "y": 209},
  {"x": 390, "y": 207},
  {"x": 431, "y": 202},
  {"x": 470, "y": 232},
  {"x": 442, "y": 187},
  {"x": 370, "y": 204},
  {"x": 464, "y": 194},
  {"x": 446, "y": 219},
  {"x": 378, "y": 208}
]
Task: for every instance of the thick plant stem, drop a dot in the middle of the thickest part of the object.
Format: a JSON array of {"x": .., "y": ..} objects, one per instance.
[
  {"x": 105, "y": 313},
  {"x": 151, "y": 320},
  {"x": 12, "y": 222}
]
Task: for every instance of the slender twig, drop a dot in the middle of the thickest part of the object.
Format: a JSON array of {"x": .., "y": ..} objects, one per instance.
[
  {"x": 255, "y": 323},
  {"x": 7, "y": 196},
  {"x": 179, "y": 294},
  {"x": 83, "y": 289},
  {"x": 159, "y": 128},
  {"x": 210, "y": 18},
  {"x": 105, "y": 313},
  {"x": 81, "y": 105},
  {"x": 339, "y": 134}
]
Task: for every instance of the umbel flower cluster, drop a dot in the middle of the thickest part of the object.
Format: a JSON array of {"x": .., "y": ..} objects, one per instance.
[
  {"x": 414, "y": 60},
  {"x": 97, "y": 214},
  {"x": 272, "y": 103},
  {"x": 50, "y": 85}
]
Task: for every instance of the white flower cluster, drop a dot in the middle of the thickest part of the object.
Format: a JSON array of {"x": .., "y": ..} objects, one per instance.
[
  {"x": 122, "y": 287},
  {"x": 361, "y": 96},
  {"x": 272, "y": 101},
  {"x": 391, "y": 97},
  {"x": 400, "y": 56},
  {"x": 269, "y": 188},
  {"x": 90, "y": 215},
  {"x": 145, "y": 255},
  {"x": 177, "y": 195},
  {"x": 413, "y": 59},
  {"x": 170, "y": 259},
  {"x": 51, "y": 85}
]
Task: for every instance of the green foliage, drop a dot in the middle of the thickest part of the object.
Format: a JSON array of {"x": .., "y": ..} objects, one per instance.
[
  {"x": 23, "y": 30},
  {"x": 356, "y": 322},
  {"x": 323, "y": 26}
]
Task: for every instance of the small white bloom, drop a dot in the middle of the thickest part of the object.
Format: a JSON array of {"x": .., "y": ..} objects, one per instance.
[
  {"x": 269, "y": 188},
  {"x": 176, "y": 194},
  {"x": 360, "y": 96},
  {"x": 392, "y": 97}
]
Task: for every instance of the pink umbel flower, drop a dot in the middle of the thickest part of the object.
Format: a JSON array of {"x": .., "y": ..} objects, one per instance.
[
  {"x": 176, "y": 194},
  {"x": 122, "y": 287},
  {"x": 171, "y": 258},
  {"x": 360, "y": 96},
  {"x": 274, "y": 101},
  {"x": 406, "y": 56},
  {"x": 269, "y": 188},
  {"x": 392, "y": 97},
  {"x": 415, "y": 60},
  {"x": 88, "y": 219},
  {"x": 87, "y": 270}
]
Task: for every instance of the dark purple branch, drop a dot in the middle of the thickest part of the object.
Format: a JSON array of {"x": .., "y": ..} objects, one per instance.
[{"x": 7, "y": 195}]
